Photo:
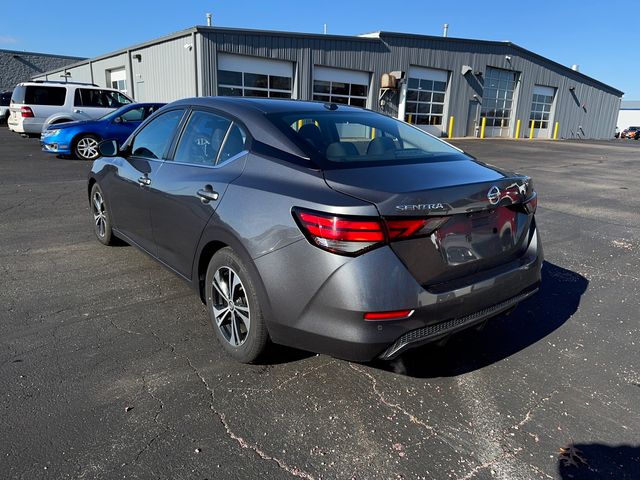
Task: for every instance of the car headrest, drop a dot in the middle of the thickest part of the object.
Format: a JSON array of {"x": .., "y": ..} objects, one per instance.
[
  {"x": 311, "y": 133},
  {"x": 341, "y": 149},
  {"x": 380, "y": 146}
]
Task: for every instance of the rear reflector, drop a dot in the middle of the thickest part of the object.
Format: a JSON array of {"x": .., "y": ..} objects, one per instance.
[
  {"x": 26, "y": 112},
  {"x": 394, "y": 315},
  {"x": 354, "y": 235}
]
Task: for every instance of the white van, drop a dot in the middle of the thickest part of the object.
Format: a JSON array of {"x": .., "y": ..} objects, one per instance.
[{"x": 34, "y": 104}]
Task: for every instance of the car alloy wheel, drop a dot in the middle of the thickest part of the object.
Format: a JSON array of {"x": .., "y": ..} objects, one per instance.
[
  {"x": 231, "y": 306},
  {"x": 87, "y": 148},
  {"x": 99, "y": 214},
  {"x": 101, "y": 218}
]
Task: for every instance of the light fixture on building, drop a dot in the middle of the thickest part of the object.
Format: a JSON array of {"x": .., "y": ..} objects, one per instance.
[
  {"x": 572, "y": 88},
  {"x": 138, "y": 57},
  {"x": 188, "y": 46},
  {"x": 507, "y": 58}
]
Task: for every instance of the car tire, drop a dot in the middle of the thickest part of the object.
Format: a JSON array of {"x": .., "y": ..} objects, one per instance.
[
  {"x": 237, "y": 318},
  {"x": 101, "y": 217},
  {"x": 85, "y": 147}
]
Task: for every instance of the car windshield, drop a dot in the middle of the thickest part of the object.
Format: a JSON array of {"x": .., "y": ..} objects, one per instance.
[{"x": 356, "y": 138}]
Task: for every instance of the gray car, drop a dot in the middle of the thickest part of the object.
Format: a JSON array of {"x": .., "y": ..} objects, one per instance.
[{"x": 320, "y": 226}]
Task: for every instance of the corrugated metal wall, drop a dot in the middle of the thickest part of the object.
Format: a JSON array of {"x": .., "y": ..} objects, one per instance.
[
  {"x": 167, "y": 70},
  {"x": 588, "y": 111}
]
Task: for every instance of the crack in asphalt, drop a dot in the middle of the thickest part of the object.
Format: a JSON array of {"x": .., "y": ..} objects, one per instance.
[
  {"x": 156, "y": 420},
  {"x": 293, "y": 470},
  {"x": 395, "y": 406}
]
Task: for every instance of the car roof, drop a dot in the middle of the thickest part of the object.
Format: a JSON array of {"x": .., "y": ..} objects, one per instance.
[{"x": 264, "y": 105}]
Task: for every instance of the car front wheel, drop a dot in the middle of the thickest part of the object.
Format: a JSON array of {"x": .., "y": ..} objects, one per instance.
[
  {"x": 234, "y": 308},
  {"x": 86, "y": 147}
]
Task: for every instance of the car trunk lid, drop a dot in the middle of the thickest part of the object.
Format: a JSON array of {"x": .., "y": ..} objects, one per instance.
[{"x": 486, "y": 223}]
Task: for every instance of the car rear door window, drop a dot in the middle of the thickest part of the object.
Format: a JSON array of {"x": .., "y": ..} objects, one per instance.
[
  {"x": 93, "y": 97},
  {"x": 202, "y": 138},
  {"x": 234, "y": 144},
  {"x": 154, "y": 139}
]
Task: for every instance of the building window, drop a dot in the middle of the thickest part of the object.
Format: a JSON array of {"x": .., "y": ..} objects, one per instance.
[
  {"x": 340, "y": 92},
  {"x": 247, "y": 84},
  {"x": 425, "y": 101},
  {"x": 119, "y": 85},
  {"x": 497, "y": 99},
  {"x": 541, "y": 109}
]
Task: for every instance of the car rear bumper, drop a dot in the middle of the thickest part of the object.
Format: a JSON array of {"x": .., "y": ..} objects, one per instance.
[{"x": 332, "y": 322}]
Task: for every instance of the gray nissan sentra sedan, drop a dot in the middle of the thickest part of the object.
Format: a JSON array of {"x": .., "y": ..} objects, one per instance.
[{"x": 320, "y": 226}]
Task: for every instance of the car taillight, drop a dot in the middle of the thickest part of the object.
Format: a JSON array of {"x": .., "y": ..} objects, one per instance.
[
  {"x": 26, "y": 112},
  {"x": 399, "y": 229},
  {"x": 531, "y": 205},
  {"x": 355, "y": 235},
  {"x": 346, "y": 235}
]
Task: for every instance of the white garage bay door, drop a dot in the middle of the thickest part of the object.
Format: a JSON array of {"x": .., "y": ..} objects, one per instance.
[{"x": 241, "y": 75}]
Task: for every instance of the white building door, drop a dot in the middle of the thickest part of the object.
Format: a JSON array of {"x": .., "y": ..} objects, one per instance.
[
  {"x": 541, "y": 111},
  {"x": 117, "y": 78}
]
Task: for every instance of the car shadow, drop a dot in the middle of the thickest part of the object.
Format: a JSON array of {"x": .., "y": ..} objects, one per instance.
[
  {"x": 591, "y": 461},
  {"x": 535, "y": 318}
]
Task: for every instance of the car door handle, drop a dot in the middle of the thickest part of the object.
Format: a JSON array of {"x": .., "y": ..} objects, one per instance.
[
  {"x": 144, "y": 181},
  {"x": 207, "y": 195}
]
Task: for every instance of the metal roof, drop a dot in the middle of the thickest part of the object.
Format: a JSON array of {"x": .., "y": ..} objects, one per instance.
[
  {"x": 23, "y": 52},
  {"x": 379, "y": 36},
  {"x": 630, "y": 105}
]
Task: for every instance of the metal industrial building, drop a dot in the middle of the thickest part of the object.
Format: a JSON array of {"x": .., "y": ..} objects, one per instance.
[
  {"x": 17, "y": 66},
  {"x": 629, "y": 115},
  {"x": 444, "y": 82}
]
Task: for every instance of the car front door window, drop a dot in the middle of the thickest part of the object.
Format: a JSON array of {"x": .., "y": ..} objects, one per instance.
[{"x": 154, "y": 139}]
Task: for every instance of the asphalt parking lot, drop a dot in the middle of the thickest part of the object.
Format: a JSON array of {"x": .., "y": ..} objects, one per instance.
[{"x": 109, "y": 368}]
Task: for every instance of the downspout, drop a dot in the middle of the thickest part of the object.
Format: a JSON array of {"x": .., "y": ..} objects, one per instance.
[
  {"x": 132, "y": 93},
  {"x": 195, "y": 59}
]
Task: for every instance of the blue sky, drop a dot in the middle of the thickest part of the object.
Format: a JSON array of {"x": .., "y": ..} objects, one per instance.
[{"x": 600, "y": 36}]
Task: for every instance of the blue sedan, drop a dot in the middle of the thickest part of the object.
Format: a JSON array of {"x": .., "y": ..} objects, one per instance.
[{"x": 81, "y": 139}]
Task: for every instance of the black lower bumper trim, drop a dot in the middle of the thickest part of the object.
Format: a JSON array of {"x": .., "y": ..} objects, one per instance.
[{"x": 432, "y": 332}]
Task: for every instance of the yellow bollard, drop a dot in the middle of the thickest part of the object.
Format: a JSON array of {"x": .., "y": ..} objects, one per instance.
[
  {"x": 555, "y": 131},
  {"x": 518, "y": 129},
  {"x": 451, "y": 126},
  {"x": 484, "y": 125},
  {"x": 533, "y": 123}
]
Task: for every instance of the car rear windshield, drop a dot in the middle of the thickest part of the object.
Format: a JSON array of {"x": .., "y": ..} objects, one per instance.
[
  {"x": 39, "y": 95},
  {"x": 354, "y": 138}
]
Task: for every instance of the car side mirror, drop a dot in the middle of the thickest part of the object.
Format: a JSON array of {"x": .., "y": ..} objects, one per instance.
[
  {"x": 117, "y": 120},
  {"x": 109, "y": 148}
]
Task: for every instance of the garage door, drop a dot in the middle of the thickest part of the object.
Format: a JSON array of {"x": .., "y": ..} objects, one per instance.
[
  {"x": 118, "y": 79},
  {"x": 350, "y": 87},
  {"x": 240, "y": 75},
  {"x": 497, "y": 101},
  {"x": 541, "y": 110},
  {"x": 422, "y": 100}
]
